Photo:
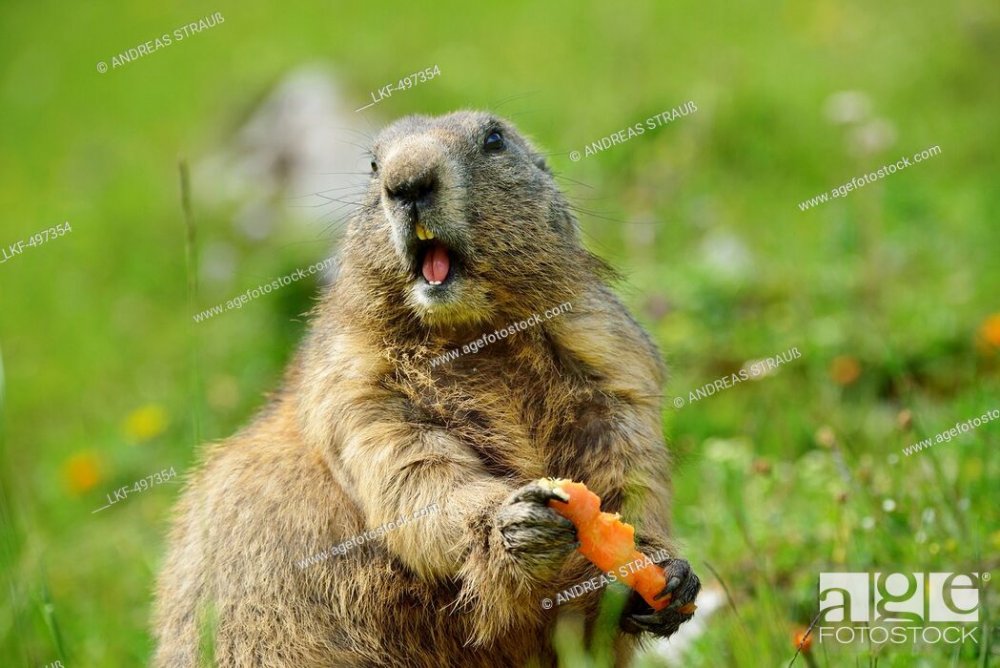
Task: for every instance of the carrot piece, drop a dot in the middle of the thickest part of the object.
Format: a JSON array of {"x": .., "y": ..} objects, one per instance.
[{"x": 609, "y": 543}]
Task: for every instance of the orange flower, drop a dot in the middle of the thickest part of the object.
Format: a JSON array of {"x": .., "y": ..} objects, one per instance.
[
  {"x": 989, "y": 331},
  {"x": 803, "y": 639},
  {"x": 145, "y": 422},
  {"x": 82, "y": 472},
  {"x": 826, "y": 437},
  {"x": 844, "y": 369}
]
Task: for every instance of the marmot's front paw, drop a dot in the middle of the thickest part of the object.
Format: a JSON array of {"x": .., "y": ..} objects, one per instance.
[
  {"x": 682, "y": 585},
  {"x": 534, "y": 533}
]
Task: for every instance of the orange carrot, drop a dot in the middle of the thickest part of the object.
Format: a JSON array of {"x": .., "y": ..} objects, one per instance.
[{"x": 609, "y": 543}]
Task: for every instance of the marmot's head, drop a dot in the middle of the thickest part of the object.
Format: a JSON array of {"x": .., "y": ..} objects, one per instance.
[{"x": 462, "y": 224}]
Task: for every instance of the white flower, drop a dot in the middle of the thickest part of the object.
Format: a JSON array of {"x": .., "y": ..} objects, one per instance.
[
  {"x": 872, "y": 137},
  {"x": 847, "y": 106},
  {"x": 218, "y": 263}
]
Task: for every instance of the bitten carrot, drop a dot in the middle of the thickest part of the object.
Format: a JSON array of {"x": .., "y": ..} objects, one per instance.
[{"x": 609, "y": 543}]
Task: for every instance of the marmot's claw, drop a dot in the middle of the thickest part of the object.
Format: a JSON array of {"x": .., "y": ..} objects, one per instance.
[
  {"x": 541, "y": 491},
  {"x": 554, "y": 486},
  {"x": 677, "y": 571},
  {"x": 682, "y": 584},
  {"x": 672, "y": 584}
]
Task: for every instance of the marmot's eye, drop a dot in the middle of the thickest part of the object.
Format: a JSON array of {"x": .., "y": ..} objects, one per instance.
[
  {"x": 493, "y": 141},
  {"x": 374, "y": 166}
]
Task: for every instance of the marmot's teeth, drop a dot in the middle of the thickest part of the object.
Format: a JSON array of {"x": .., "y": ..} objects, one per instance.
[
  {"x": 434, "y": 282},
  {"x": 423, "y": 233}
]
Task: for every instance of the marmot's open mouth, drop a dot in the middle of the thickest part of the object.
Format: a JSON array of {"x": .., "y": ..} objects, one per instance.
[
  {"x": 433, "y": 257},
  {"x": 436, "y": 265}
]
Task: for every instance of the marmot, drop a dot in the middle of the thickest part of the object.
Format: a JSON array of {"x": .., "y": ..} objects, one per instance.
[{"x": 462, "y": 231}]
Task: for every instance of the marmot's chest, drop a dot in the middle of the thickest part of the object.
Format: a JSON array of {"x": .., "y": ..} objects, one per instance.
[{"x": 527, "y": 418}]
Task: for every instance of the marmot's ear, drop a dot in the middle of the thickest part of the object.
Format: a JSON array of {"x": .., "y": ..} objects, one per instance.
[{"x": 541, "y": 164}]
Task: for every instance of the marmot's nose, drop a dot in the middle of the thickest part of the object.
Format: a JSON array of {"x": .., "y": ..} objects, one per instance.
[{"x": 414, "y": 189}]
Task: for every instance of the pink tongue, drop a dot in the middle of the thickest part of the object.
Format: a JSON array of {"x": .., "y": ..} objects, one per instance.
[{"x": 436, "y": 264}]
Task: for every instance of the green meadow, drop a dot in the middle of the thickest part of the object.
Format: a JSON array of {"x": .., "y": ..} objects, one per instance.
[{"x": 889, "y": 293}]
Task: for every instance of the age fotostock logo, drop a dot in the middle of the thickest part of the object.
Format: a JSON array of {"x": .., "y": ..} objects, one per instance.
[{"x": 914, "y": 605}]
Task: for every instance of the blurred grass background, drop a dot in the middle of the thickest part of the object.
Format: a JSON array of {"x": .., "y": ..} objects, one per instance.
[{"x": 890, "y": 294}]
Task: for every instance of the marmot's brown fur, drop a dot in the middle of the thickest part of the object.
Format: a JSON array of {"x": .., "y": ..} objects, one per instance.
[{"x": 370, "y": 426}]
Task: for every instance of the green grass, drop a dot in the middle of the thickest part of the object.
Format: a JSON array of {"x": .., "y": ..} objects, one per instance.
[{"x": 898, "y": 276}]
